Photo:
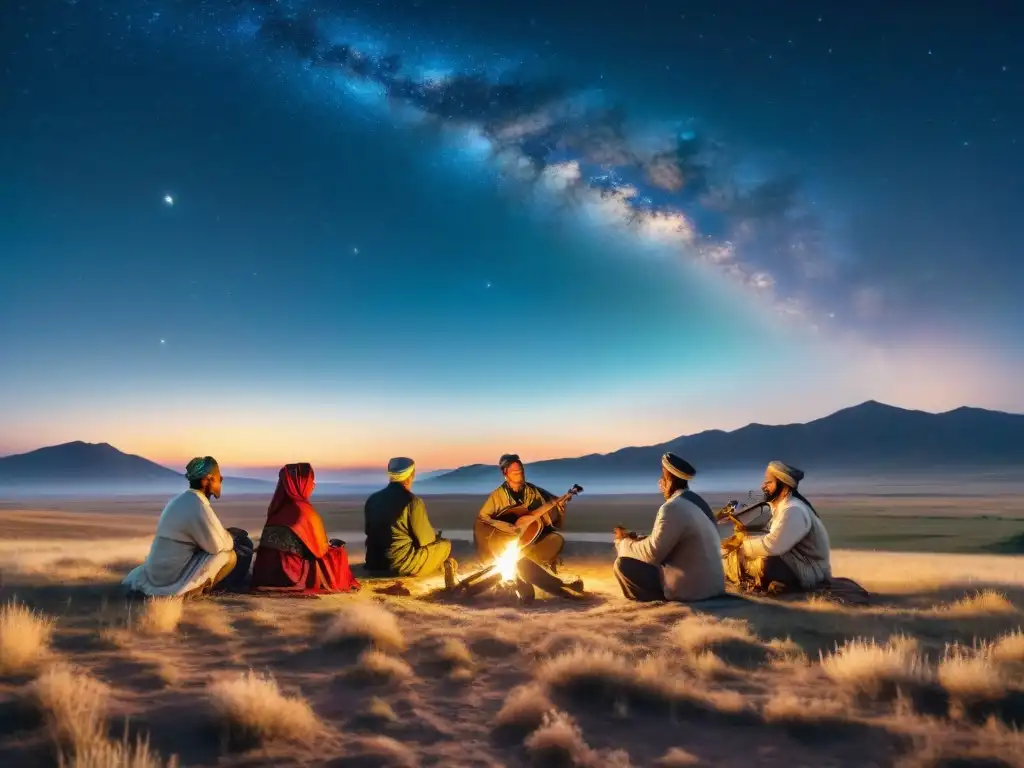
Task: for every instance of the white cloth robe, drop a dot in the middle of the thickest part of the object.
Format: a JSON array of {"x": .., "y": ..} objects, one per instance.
[
  {"x": 190, "y": 547},
  {"x": 797, "y": 536},
  {"x": 685, "y": 546}
]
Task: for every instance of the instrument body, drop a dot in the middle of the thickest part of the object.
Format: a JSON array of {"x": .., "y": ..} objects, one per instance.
[{"x": 527, "y": 526}]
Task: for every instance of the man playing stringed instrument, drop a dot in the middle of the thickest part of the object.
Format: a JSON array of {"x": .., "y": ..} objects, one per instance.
[{"x": 515, "y": 505}]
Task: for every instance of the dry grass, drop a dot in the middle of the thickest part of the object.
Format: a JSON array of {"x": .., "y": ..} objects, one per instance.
[
  {"x": 523, "y": 710},
  {"x": 24, "y": 638},
  {"x": 386, "y": 752},
  {"x": 103, "y": 753},
  {"x": 600, "y": 678},
  {"x": 210, "y": 618},
  {"x": 160, "y": 616},
  {"x": 677, "y": 758},
  {"x": 871, "y": 669},
  {"x": 453, "y": 654},
  {"x": 986, "y": 602},
  {"x": 73, "y": 704},
  {"x": 970, "y": 676},
  {"x": 366, "y": 623},
  {"x": 694, "y": 634},
  {"x": 1008, "y": 649},
  {"x": 559, "y": 741},
  {"x": 255, "y": 711},
  {"x": 373, "y": 666}
]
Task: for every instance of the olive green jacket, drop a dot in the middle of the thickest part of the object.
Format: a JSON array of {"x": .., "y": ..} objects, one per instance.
[{"x": 534, "y": 497}]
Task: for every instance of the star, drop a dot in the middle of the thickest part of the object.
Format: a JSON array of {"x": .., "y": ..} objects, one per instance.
[
  {"x": 169, "y": 200},
  {"x": 163, "y": 341},
  {"x": 488, "y": 284},
  {"x": 355, "y": 251}
]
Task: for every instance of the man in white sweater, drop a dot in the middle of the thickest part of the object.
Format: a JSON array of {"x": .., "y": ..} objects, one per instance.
[
  {"x": 681, "y": 559},
  {"x": 794, "y": 553},
  {"x": 191, "y": 551}
]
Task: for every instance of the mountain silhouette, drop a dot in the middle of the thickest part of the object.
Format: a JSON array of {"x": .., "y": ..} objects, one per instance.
[
  {"x": 92, "y": 465},
  {"x": 870, "y": 437}
]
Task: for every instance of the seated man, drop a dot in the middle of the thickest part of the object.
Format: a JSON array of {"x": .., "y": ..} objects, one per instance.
[
  {"x": 399, "y": 538},
  {"x": 680, "y": 560},
  {"x": 509, "y": 501},
  {"x": 192, "y": 551},
  {"x": 794, "y": 553}
]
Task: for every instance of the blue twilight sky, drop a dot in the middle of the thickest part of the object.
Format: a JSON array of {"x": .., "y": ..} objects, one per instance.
[{"x": 340, "y": 231}]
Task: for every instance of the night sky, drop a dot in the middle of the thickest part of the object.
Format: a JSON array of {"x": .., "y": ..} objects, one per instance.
[{"x": 341, "y": 231}]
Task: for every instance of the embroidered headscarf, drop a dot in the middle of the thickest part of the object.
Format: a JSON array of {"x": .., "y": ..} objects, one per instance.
[
  {"x": 200, "y": 467},
  {"x": 290, "y": 507}
]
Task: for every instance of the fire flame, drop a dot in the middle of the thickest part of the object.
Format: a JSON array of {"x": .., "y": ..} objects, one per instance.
[{"x": 508, "y": 560}]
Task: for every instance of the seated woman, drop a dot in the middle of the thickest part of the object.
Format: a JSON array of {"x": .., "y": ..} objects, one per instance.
[{"x": 294, "y": 555}]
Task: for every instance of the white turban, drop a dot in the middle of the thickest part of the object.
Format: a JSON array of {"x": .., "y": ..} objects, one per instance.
[
  {"x": 678, "y": 466},
  {"x": 791, "y": 476},
  {"x": 400, "y": 469}
]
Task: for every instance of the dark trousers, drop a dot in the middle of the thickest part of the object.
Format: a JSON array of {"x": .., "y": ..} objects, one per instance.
[
  {"x": 775, "y": 569},
  {"x": 238, "y": 579},
  {"x": 639, "y": 581}
]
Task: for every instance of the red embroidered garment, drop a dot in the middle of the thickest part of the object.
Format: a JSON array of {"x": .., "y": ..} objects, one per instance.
[{"x": 322, "y": 567}]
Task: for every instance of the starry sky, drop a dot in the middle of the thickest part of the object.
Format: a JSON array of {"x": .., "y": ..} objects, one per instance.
[{"x": 341, "y": 231}]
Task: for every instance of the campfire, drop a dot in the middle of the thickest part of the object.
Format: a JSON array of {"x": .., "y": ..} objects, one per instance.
[{"x": 512, "y": 577}]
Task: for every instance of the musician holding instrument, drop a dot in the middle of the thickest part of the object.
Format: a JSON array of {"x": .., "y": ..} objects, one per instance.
[
  {"x": 680, "y": 560},
  {"x": 517, "y": 509},
  {"x": 794, "y": 553}
]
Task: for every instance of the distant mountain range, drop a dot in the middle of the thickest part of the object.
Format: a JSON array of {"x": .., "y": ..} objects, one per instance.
[
  {"x": 80, "y": 466},
  {"x": 868, "y": 438}
]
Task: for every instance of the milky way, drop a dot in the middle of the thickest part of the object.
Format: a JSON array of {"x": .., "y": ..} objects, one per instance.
[{"x": 567, "y": 144}]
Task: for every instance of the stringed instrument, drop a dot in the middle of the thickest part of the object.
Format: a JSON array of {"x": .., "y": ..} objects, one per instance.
[{"x": 527, "y": 525}]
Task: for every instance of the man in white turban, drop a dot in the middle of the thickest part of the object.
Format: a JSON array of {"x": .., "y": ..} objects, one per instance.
[
  {"x": 680, "y": 560},
  {"x": 400, "y": 540},
  {"x": 192, "y": 551},
  {"x": 794, "y": 552}
]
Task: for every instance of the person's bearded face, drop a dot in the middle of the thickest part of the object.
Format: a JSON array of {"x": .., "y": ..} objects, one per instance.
[{"x": 772, "y": 488}]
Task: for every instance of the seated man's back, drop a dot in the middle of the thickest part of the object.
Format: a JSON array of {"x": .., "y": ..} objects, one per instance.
[{"x": 399, "y": 537}]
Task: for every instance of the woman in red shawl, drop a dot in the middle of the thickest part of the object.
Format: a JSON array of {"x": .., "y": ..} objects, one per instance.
[{"x": 294, "y": 554}]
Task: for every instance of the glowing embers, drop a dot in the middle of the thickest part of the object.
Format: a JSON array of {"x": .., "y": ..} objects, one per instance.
[{"x": 500, "y": 580}]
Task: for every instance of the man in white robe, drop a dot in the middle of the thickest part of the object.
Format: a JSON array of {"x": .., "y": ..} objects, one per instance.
[
  {"x": 794, "y": 553},
  {"x": 680, "y": 560},
  {"x": 191, "y": 551}
]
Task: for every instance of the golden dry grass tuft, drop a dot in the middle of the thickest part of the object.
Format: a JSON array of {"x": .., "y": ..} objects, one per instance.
[
  {"x": 103, "y": 753},
  {"x": 73, "y": 704},
  {"x": 160, "y": 616},
  {"x": 600, "y": 678},
  {"x": 374, "y": 666},
  {"x": 1008, "y": 649},
  {"x": 697, "y": 633},
  {"x": 453, "y": 654},
  {"x": 523, "y": 710},
  {"x": 970, "y": 676},
  {"x": 986, "y": 602},
  {"x": 871, "y": 669},
  {"x": 366, "y": 623},
  {"x": 385, "y": 752},
  {"x": 24, "y": 638},
  {"x": 677, "y": 758},
  {"x": 559, "y": 741},
  {"x": 255, "y": 711},
  {"x": 210, "y": 618}
]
